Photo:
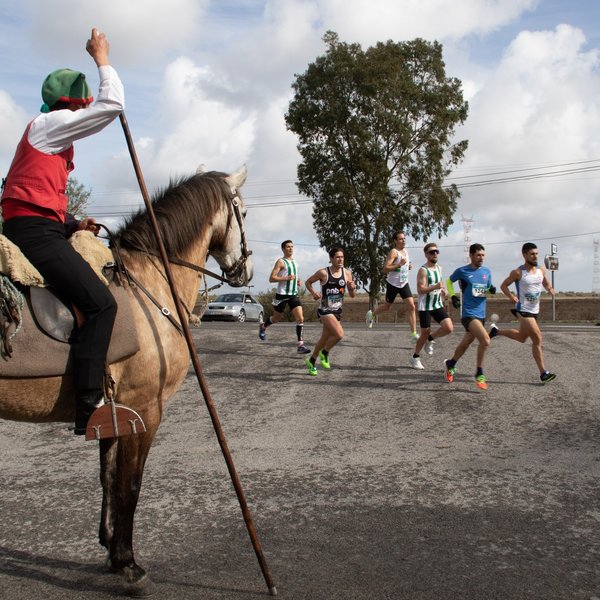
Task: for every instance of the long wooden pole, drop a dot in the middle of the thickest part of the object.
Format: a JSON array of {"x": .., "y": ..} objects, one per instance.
[{"x": 200, "y": 376}]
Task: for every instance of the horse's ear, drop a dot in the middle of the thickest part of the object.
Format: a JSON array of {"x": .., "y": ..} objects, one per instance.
[
  {"x": 236, "y": 180},
  {"x": 201, "y": 169}
]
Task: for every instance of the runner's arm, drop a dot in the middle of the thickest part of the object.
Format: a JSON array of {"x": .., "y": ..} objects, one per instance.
[
  {"x": 547, "y": 285},
  {"x": 515, "y": 275},
  {"x": 422, "y": 287},
  {"x": 274, "y": 277},
  {"x": 389, "y": 265},
  {"x": 320, "y": 275},
  {"x": 350, "y": 283}
]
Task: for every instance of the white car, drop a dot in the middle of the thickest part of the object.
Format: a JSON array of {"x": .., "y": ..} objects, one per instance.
[{"x": 234, "y": 307}]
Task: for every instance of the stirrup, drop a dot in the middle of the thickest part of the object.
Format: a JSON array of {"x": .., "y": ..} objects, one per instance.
[{"x": 113, "y": 420}]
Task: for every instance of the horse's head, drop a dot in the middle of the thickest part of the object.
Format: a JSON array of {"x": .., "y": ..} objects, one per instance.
[{"x": 233, "y": 255}]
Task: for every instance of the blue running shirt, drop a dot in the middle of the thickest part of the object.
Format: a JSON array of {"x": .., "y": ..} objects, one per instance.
[{"x": 475, "y": 283}]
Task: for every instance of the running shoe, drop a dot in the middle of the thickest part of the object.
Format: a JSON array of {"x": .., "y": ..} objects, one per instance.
[
  {"x": 312, "y": 370},
  {"x": 481, "y": 382},
  {"x": 324, "y": 360},
  {"x": 415, "y": 363},
  {"x": 449, "y": 374},
  {"x": 302, "y": 349},
  {"x": 414, "y": 335},
  {"x": 369, "y": 319},
  {"x": 262, "y": 332},
  {"x": 429, "y": 348},
  {"x": 494, "y": 330},
  {"x": 546, "y": 376}
]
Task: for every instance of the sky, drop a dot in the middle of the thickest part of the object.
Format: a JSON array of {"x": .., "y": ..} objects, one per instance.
[{"x": 209, "y": 82}]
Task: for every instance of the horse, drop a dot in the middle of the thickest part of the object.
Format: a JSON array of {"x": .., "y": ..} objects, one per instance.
[{"x": 197, "y": 215}]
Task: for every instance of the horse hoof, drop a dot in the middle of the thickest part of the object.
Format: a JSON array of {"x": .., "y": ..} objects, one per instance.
[{"x": 142, "y": 588}]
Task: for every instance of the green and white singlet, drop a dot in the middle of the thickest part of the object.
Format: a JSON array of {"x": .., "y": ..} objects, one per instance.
[
  {"x": 288, "y": 288},
  {"x": 431, "y": 300}
]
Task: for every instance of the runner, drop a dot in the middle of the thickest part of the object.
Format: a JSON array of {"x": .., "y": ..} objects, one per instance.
[
  {"x": 397, "y": 265},
  {"x": 334, "y": 280},
  {"x": 285, "y": 274},
  {"x": 475, "y": 281},
  {"x": 529, "y": 279},
  {"x": 430, "y": 304}
]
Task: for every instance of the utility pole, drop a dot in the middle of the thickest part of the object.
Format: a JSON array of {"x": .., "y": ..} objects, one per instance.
[
  {"x": 467, "y": 226},
  {"x": 596, "y": 269}
]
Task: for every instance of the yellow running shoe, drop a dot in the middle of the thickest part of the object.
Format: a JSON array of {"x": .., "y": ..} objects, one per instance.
[{"x": 312, "y": 370}]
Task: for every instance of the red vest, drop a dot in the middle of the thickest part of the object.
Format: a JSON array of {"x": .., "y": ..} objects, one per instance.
[{"x": 36, "y": 183}]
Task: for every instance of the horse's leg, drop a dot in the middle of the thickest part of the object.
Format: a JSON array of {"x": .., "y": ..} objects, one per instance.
[
  {"x": 132, "y": 452},
  {"x": 108, "y": 469}
]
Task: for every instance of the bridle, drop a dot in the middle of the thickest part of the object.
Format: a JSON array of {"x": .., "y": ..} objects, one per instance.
[
  {"x": 233, "y": 273},
  {"x": 239, "y": 266}
]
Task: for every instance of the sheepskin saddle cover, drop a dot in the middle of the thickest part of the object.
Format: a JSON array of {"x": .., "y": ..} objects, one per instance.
[{"x": 39, "y": 344}]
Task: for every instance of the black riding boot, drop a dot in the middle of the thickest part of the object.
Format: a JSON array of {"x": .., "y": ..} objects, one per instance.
[{"x": 86, "y": 403}]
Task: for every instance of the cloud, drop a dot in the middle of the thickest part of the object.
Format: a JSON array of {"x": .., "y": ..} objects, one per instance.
[
  {"x": 12, "y": 124},
  {"x": 379, "y": 20},
  {"x": 140, "y": 31}
]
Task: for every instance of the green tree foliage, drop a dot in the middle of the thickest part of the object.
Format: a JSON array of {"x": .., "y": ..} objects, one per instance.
[
  {"x": 375, "y": 133},
  {"x": 78, "y": 197}
]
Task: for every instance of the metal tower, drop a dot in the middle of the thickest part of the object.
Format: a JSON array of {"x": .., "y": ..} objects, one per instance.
[
  {"x": 467, "y": 226},
  {"x": 596, "y": 268}
]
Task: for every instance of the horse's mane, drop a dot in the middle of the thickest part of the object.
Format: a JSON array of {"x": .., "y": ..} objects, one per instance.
[{"x": 183, "y": 211}]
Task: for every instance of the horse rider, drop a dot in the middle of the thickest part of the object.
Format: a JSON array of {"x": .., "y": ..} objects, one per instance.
[{"x": 34, "y": 210}]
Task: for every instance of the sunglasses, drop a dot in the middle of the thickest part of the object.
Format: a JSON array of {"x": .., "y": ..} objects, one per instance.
[{"x": 433, "y": 251}]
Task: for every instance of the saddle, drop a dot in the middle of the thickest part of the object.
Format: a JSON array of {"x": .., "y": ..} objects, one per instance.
[{"x": 36, "y": 325}]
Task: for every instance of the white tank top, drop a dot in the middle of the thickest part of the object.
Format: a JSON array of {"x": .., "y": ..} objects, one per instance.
[
  {"x": 399, "y": 277},
  {"x": 529, "y": 290}
]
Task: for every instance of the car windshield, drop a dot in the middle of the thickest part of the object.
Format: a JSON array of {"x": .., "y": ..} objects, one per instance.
[{"x": 229, "y": 298}]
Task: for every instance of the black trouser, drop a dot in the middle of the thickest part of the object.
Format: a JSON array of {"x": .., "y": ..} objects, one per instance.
[{"x": 45, "y": 245}]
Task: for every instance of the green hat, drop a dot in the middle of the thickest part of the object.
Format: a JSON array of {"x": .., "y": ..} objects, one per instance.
[{"x": 65, "y": 85}]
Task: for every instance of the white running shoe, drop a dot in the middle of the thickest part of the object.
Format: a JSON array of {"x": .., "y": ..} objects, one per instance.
[
  {"x": 369, "y": 319},
  {"x": 429, "y": 348},
  {"x": 415, "y": 363},
  {"x": 414, "y": 336}
]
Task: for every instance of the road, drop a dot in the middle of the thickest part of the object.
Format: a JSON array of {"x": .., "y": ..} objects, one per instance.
[{"x": 371, "y": 481}]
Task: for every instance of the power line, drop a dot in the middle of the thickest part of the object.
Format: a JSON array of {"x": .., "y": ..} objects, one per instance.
[
  {"x": 504, "y": 243},
  {"x": 490, "y": 179}
]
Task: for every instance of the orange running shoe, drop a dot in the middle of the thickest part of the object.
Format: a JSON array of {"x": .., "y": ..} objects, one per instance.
[{"x": 449, "y": 374}]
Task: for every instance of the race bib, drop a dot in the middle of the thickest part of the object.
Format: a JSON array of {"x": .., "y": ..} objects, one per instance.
[
  {"x": 479, "y": 290},
  {"x": 533, "y": 297},
  {"x": 334, "y": 301}
]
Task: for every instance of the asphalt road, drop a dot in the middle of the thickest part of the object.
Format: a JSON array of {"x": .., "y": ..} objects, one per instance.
[{"x": 370, "y": 481}]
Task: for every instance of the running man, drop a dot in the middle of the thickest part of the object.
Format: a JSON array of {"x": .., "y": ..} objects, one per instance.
[
  {"x": 397, "y": 265},
  {"x": 334, "y": 281},
  {"x": 430, "y": 304},
  {"x": 529, "y": 279},
  {"x": 285, "y": 275},
  {"x": 475, "y": 281}
]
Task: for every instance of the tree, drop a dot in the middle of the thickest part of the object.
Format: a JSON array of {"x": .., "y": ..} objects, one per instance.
[
  {"x": 78, "y": 198},
  {"x": 375, "y": 133}
]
